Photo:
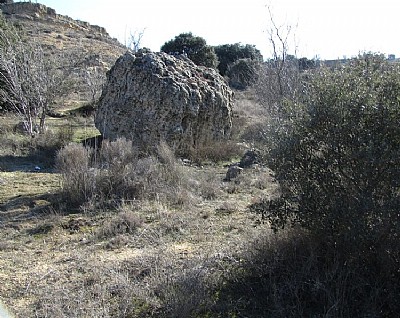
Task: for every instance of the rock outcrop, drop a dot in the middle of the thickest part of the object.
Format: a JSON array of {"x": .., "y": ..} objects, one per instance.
[
  {"x": 37, "y": 11},
  {"x": 151, "y": 97}
]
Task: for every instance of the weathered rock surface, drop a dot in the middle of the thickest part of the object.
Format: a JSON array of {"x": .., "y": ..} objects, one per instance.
[{"x": 151, "y": 97}]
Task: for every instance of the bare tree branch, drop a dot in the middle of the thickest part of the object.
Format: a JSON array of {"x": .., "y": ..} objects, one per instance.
[
  {"x": 279, "y": 77},
  {"x": 135, "y": 40},
  {"x": 31, "y": 79}
]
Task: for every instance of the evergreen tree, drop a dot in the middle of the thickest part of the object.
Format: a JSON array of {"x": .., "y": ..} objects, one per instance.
[{"x": 194, "y": 47}]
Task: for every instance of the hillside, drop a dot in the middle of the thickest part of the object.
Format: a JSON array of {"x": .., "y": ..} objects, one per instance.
[
  {"x": 62, "y": 35},
  {"x": 59, "y": 32}
]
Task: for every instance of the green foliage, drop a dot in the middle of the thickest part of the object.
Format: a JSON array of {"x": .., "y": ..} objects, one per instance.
[
  {"x": 230, "y": 53},
  {"x": 336, "y": 155},
  {"x": 195, "y": 47},
  {"x": 306, "y": 64},
  {"x": 243, "y": 73}
]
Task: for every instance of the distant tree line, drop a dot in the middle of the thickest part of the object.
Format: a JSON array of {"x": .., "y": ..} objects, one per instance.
[{"x": 239, "y": 63}]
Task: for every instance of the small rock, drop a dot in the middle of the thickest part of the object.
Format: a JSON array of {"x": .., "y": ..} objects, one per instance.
[
  {"x": 233, "y": 172},
  {"x": 250, "y": 158}
]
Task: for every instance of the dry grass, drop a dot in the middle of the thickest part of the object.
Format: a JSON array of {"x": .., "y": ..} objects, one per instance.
[
  {"x": 250, "y": 119},
  {"x": 216, "y": 152},
  {"x": 143, "y": 259},
  {"x": 154, "y": 255},
  {"x": 185, "y": 245}
]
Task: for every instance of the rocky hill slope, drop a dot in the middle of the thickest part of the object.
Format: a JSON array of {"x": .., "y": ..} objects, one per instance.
[{"x": 60, "y": 34}]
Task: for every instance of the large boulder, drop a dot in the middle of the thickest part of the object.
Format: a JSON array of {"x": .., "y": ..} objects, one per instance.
[{"x": 151, "y": 97}]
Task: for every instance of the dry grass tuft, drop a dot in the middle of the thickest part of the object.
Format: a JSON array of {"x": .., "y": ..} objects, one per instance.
[
  {"x": 215, "y": 152},
  {"x": 125, "y": 222},
  {"x": 116, "y": 173}
]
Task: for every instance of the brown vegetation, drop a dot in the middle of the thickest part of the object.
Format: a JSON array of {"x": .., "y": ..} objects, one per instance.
[
  {"x": 115, "y": 234},
  {"x": 108, "y": 231}
]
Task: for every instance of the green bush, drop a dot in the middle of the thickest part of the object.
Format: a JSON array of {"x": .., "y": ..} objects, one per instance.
[
  {"x": 337, "y": 158},
  {"x": 335, "y": 152},
  {"x": 230, "y": 53},
  {"x": 194, "y": 47},
  {"x": 243, "y": 73}
]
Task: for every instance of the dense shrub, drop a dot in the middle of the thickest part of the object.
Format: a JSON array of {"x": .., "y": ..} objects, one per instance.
[
  {"x": 336, "y": 155},
  {"x": 337, "y": 161},
  {"x": 278, "y": 79},
  {"x": 230, "y": 53},
  {"x": 194, "y": 47},
  {"x": 294, "y": 275},
  {"x": 243, "y": 73}
]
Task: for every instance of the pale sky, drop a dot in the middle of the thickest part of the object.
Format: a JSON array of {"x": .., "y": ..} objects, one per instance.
[{"x": 324, "y": 28}]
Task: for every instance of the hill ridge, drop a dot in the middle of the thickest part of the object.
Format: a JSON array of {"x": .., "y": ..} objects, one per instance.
[{"x": 38, "y": 11}]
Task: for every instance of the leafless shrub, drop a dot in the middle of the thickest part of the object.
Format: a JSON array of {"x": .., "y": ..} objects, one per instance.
[
  {"x": 255, "y": 133},
  {"x": 102, "y": 292},
  {"x": 53, "y": 140},
  {"x": 11, "y": 141},
  {"x": 77, "y": 177},
  {"x": 31, "y": 78},
  {"x": 239, "y": 123},
  {"x": 209, "y": 189},
  {"x": 95, "y": 78},
  {"x": 293, "y": 274},
  {"x": 226, "y": 208},
  {"x": 158, "y": 284},
  {"x": 180, "y": 287},
  {"x": 116, "y": 173},
  {"x": 185, "y": 295},
  {"x": 134, "y": 41}
]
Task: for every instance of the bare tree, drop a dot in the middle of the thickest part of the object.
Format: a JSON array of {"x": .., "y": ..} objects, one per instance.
[
  {"x": 279, "y": 43},
  {"x": 134, "y": 41},
  {"x": 22, "y": 79},
  {"x": 31, "y": 80},
  {"x": 95, "y": 79},
  {"x": 280, "y": 75}
]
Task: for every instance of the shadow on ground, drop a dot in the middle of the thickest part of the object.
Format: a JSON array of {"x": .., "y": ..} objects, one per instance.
[
  {"x": 35, "y": 162},
  {"x": 26, "y": 207}
]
